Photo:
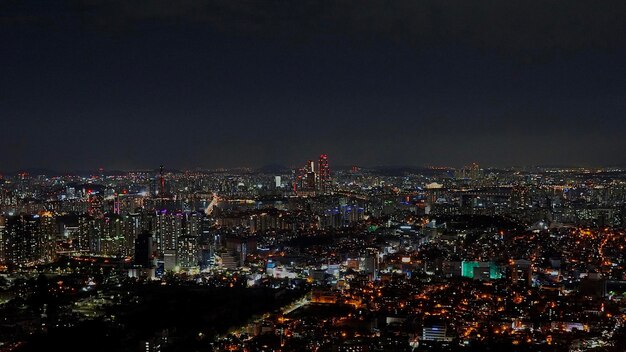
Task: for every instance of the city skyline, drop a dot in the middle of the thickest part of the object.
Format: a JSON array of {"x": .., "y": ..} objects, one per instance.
[
  {"x": 282, "y": 169},
  {"x": 314, "y": 259},
  {"x": 312, "y": 175},
  {"x": 92, "y": 84}
]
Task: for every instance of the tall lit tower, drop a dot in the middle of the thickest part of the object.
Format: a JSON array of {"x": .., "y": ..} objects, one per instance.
[
  {"x": 324, "y": 174},
  {"x": 161, "y": 181},
  {"x": 309, "y": 175}
]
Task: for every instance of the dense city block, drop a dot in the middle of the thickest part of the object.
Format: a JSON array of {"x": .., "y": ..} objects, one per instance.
[{"x": 280, "y": 259}]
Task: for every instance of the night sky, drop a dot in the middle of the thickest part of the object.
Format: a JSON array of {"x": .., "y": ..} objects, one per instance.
[{"x": 133, "y": 84}]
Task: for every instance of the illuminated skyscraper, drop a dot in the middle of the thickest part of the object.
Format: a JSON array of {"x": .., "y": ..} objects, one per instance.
[
  {"x": 132, "y": 227},
  {"x": 305, "y": 179},
  {"x": 161, "y": 181},
  {"x": 23, "y": 242},
  {"x": 187, "y": 251},
  {"x": 49, "y": 229},
  {"x": 2, "y": 238},
  {"x": 81, "y": 241},
  {"x": 310, "y": 175},
  {"x": 324, "y": 174},
  {"x": 168, "y": 227}
]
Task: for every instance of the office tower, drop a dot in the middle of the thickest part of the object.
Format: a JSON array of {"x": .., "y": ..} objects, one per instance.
[
  {"x": 82, "y": 240},
  {"x": 49, "y": 231},
  {"x": 169, "y": 259},
  {"x": 23, "y": 243},
  {"x": 309, "y": 176},
  {"x": 161, "y": 182},
  {"x": 2, "y": 238},
  {"x": 132, "y": 227},
  {"x": 187, "y": 252},
  {"x": 109, "y": 239},
  {"x": 191, "y": 224},
  {"x": 206, "y": 242},
  {"x": 168, "y": 227},
  {"x": 305, "y": 182},
  {"x": 144, "y": 250},
  {"x": 324, "y": 174},
  {"x": 434, "y": 329}
]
